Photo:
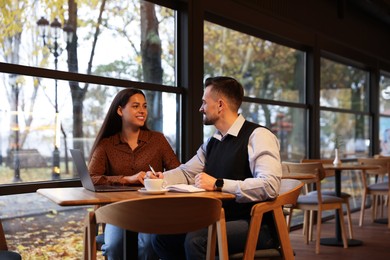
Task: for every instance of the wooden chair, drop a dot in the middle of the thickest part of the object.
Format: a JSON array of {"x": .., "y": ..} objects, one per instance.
[
  {"x": 316, "y": 201},
  {"x": 345, "y": 196},
  {"x": 162, "y": 215},
  {"x": 382, "y": 200},
  {"x": 379, "y": 188},
  {"x": 289, "y": 192},
  {"x": 4, "y": 253}
]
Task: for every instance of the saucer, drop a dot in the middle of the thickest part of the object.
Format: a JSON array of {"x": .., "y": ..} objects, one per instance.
[{"x": 143, "y": 190}]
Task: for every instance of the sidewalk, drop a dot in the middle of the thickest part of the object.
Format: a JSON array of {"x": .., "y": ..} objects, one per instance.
[
  {"x": 40, "y": 229},
  {"x": 26, "y": 205}
]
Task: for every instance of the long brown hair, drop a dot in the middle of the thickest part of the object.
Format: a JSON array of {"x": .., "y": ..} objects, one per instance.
[{"x": 112, "y": 123}]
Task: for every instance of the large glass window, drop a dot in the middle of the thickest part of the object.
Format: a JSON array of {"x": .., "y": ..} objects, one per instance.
[
  {"x": 269, "y": 72},
  {"x": 31, "y": 128},
  {"x": 344, "y": 120},
  {"x": 344, "y": 101},
  {"x": 287, "y": 123},
  {"x": 42, "y": 117},
  {"x": 344, "y": 127},
  {"x": 132, "y": 40}
]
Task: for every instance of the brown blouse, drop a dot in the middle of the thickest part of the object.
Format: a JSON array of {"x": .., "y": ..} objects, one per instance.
[{"x": 113, "y": 158}]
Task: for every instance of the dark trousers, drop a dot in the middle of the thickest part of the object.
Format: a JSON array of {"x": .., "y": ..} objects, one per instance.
[{"x": 193, "y": 245}]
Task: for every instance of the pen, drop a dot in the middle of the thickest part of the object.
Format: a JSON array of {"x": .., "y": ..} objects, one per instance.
[{"x": 151, "y": 168}]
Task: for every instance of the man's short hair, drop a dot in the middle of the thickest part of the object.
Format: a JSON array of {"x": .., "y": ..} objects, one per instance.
[{"x": 228, "y": 87}]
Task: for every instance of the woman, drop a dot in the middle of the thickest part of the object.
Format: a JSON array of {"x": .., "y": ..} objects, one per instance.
[{"x": 123, "y": 150}]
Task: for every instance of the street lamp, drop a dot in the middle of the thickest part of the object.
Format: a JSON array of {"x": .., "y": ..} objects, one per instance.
[
  {"x": 15, "y": 128},
  {"x": 56, "y": 50}
]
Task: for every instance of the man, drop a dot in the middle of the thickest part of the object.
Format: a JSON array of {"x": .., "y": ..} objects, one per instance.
[{"x": 241, "y": 158}]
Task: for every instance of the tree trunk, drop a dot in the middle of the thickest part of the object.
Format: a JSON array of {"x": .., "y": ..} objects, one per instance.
[
  {"x": 77, "y": 93},
  {"x": 151, "y": 60}
]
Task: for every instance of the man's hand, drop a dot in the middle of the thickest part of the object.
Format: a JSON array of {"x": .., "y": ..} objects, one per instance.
[
  {"x": 205, "y": 181},
  {"x": 156, "y": 175}
]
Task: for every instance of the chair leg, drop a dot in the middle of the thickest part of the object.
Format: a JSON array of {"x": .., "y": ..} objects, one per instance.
[
  {"x": 91, "y": 236},
  {"x": 306, "y": 226},
  {"x": 305, "y": 223},
  {"x": 349, "y": 219},
  {"x": 363, "y": 206},
  {"x": 388, "y": 213},
  {"x": 383, "y": 204},
  {"x": 211, "y": 241},
  {"x": 374, "y": 207},
  {"x": 85, "y": 243},
  {"x": 222, "y": 238},
  {"x": 289, "y": 219},
  {"x": 311, "y": 224},
  {"x": 319, "y": 220},
  {"x": 284, "y": 238},
  {"x": 342, "y": 226}
]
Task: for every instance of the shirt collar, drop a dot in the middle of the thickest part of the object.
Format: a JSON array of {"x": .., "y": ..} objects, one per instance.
[
  {"x": 117, "y": 139},
  {"x": 233, "y": 130},
  {"x": 142, "y": 137}
]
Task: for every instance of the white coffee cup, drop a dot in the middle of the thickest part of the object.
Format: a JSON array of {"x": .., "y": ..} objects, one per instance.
[{"x": 154, "y": 184}]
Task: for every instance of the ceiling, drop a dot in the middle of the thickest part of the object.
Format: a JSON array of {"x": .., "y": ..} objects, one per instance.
[{"x": 378, "y": 9}]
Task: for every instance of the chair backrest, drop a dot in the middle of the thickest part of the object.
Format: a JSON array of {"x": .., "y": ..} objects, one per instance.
[
  {"x": 289, "y": 192},
  {"x": 314, "y": 169},
  {"x": 3, "y": 242},
  {"x": 323, "y": 161},
  {"x": 329, "y": 173},
  {"x": 383, "y": 162},
  {"x": 380, "y": 173},
  {"x": 161, "y": 215},
  {"x": 381, "y": 156},
  {"x": 166, "y": 214}
]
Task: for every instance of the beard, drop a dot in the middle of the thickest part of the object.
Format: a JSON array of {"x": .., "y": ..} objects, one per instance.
[{"x": 208, "y": 120}]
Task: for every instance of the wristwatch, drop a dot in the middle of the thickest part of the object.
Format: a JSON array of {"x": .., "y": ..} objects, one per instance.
[{"x": 218, "y": 184}]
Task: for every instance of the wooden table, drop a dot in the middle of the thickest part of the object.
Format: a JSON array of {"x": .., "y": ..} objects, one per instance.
[
  {"x": 81, "y": 197},
  {"x": 337, "y": 241}
]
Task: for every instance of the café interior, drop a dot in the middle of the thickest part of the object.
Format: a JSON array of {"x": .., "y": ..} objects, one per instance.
[{"x": 316, "y": 73}]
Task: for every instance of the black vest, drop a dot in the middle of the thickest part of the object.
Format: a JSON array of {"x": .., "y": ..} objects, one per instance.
[{"x": 228, "y": 159}]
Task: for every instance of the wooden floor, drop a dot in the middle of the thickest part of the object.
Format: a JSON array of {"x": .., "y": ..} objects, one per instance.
[{"x": 375, "y": 237}]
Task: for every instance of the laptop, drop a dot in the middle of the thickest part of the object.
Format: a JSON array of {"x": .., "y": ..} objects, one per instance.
[{"x": 86, "y": 181}]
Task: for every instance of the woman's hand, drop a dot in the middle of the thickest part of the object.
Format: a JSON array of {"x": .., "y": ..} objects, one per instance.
[{"x": 136, "y": 178}]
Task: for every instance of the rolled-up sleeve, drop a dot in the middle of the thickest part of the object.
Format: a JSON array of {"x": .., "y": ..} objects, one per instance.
[
  {"x": 266, "y": 168},
  {"x": 186, "y": 172}
]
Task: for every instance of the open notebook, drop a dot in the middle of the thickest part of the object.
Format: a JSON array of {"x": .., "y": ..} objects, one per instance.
[
  {"x": 183, "y": 188},
  {"x": 86, "y": 181}
]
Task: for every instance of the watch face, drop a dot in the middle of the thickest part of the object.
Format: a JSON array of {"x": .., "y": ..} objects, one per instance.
[{"x": 219, "y": 183}]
